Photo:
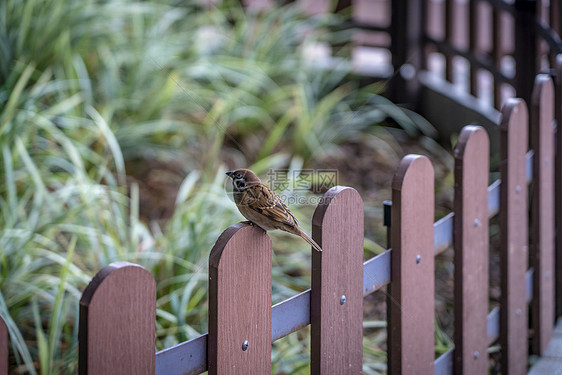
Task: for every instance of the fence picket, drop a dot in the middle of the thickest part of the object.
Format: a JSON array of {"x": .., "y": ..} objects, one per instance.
[
  {"x": 411, "y": 306},
  {"x": 558, "y": 184},
  {"x": 471, "y": 251},
  {"x": 4, "y": 344},
  {"x": 542, "y": 213},
  {"x": 240, "y": 302},
  {"x": 117, "y": 328},
  {"x": 513, "y": 227},
  {"x": 337, "y": 284}
]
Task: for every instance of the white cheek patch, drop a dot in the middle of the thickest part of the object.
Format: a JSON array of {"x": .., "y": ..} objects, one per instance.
[{"x": 240, "y": 184}]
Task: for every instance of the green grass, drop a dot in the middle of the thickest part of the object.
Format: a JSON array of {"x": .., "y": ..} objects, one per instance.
[{"x": 89, "y": 87}]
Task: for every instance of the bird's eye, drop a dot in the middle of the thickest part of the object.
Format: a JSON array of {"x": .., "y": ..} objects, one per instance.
[{"x": 238, "y": 175}]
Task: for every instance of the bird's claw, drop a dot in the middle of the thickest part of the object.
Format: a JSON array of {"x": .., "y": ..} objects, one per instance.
[{"x": 249, "y": 223}]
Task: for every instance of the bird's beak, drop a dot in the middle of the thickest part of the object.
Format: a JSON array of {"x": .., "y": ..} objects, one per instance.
[{"x": 229, "y": 174}]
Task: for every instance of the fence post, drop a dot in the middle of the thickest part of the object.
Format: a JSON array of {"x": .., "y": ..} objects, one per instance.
[
  {"x": 117, "y": 328},
  {"x": 4, "y": 344},
  {"x": 411, "y": 318},
  {"x": 526, "y": 51},
  {"x": 240, "y": 302},
  {"x": 513, "y": 227},
  {"x": 406, "y": 30},
  {"x": 471, "y": 251},
  {"x": 558, "y": 185},
  {"x": 542, "y": 213},
  {"x": 336, "y": 309}
]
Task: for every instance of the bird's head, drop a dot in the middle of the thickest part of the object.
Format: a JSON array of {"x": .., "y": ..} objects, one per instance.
[{"x": 243, "y": 178}]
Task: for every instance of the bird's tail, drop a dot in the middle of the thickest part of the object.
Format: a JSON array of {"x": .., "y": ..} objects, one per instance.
[{"x": 308, "y": 239}]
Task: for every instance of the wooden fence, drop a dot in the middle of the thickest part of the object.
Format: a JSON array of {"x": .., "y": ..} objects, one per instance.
[
  {"x": 117, "y": 310},
  {"x": 452, "y": 58},
  {"x": 460, "y": 40}
]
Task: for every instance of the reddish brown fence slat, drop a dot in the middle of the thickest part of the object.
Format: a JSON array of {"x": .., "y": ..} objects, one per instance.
[
  {"x": 473, "y": 37},
  {"x": 4, "y": 344},
  {"x": 558, "y": 184},
  {"x": 118, "y": 322},
  {"x": 449, "y": 24},
  {"x": 337, "y": 284},
  {"x": 471, "y": 251},
  {"x": 542, "y": 213},
  {"x": 240, "y": 302},
  {"x": 513, "y": 223},
  {"x": 411, "y": 311}
]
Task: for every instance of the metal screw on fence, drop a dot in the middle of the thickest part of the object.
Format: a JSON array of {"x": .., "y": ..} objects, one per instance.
[
  {"x": 418, "y": 259},
  {"x": 518, "y": 312},
  {"x": 245, "y": 345},
  {"x": 342, "y": 300},
  {"x": 518, "y": 189},
  {"x": 476, "y": 223},
  {"x": 476, "y": 355}
]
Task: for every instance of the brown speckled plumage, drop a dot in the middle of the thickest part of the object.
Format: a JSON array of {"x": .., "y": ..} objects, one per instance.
[{"x": 262, "y": 207}]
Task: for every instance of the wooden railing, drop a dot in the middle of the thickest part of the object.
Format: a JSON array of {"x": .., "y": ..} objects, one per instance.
[
  {"x": 118, "y": 308},
  {"x": 117, "y": 316},
  {"x": 471, "y": 44}
]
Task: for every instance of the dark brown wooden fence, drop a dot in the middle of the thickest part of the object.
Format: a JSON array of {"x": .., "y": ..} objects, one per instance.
[
  {"x": 470, "y": 44},
  {"x": 117, "y": 329},
  {"x": 117, "y": 310}
]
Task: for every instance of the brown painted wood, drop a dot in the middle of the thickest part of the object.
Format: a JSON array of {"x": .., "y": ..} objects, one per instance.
[
  {"x": 473, "y": 37},
  {"x": 4, "y": 345},
  {"x": 542, "y": 213},
  {"x": 337, "y": 284},
  {"x": 558, "y": 183},
  {"x": 411, "y": 325},
  {"x": 240, "y": 302},
  {"x": 449, "y": 25},
  {"x": 118, "y": 322},
  {"x": 513, "y": 228},
  {"x": 497, "y": 53},
  {"x": 471, "y": 251}
]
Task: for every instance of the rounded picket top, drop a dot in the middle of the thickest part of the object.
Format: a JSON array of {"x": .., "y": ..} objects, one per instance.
[
  {"x": 334, "y": 202},
  {"x": 117, "y": 330},
  {"x": 515, "y": 116},
  {"x": 543, "y": 92},
  {"x": 412, "y": 167},
  {"x": 237, "y": 238},
  {"x": 472, "y": 140}
]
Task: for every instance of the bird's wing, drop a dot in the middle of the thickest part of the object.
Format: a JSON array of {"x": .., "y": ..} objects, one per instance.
[{"x": 263, "y": 200}]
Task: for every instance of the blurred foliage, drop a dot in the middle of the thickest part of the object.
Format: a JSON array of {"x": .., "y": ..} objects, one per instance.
[{"x": 89, "y": 86}]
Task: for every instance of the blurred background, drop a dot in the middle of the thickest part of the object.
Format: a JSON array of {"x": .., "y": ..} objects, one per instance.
[{"x": 118, "y": 120}]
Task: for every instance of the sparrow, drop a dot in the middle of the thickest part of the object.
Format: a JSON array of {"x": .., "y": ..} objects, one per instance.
[{"x": 262, "y": 207}]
